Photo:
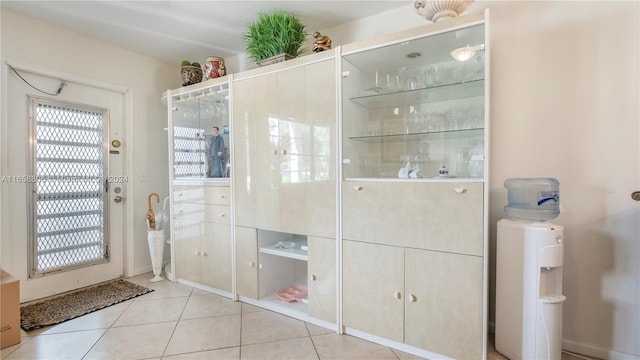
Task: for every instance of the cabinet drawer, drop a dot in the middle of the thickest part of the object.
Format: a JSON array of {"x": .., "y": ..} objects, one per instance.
[
  {"x": 443, "y": 216},
  {"x": 219, "y": 195},
  {"x": 219, "y": 214}
]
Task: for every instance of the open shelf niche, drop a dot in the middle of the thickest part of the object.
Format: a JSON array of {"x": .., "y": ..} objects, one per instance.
[{"x": 283, "y": 262}]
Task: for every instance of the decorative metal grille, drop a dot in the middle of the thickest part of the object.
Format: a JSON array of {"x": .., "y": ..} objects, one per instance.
[
  {"x": 189, "y": 161},
  {"x": 68, "y": 203}
]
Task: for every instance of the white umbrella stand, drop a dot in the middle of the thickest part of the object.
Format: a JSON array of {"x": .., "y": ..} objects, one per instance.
[{"x": 155, "y": 237}]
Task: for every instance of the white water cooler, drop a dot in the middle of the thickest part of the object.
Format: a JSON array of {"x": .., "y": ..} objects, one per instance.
[{"x": 529, "y": 259}]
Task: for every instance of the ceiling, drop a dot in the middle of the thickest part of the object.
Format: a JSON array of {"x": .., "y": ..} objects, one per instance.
[{"x": 175, "y": 30}]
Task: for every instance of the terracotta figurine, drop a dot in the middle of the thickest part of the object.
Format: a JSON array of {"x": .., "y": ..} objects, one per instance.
[{"x": 322, "y": 42}]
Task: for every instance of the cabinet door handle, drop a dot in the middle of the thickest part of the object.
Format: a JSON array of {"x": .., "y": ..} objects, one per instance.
[
  {"x": 260, "y": 266},
  {"x": 397, "y": 295},
  {"x": 221, "y": 215},
  {"x": 413, "y": 298},
  {"x": 275, "y": 151},
  {"x": 460, "y": 190},
  {"x": 358, "y": 188},
  {"x": 221, "y": 196},
  {"x": 284, "y": 151},
  {"x": 252, "y": 264},
  {"x": 313, "y": 277}
]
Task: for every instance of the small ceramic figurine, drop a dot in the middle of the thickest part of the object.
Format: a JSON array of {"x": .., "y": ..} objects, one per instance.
[{"x": 322, "y": 42}]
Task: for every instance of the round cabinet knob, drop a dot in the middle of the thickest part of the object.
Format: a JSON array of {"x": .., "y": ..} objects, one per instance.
[
  {"x": 221, "y": 215},
  {"x": 313, "y": 277},
  {"x": 397, "y": 295},
  {"x": 460, "y": 190},
  {"x": 413, "y": 298},
  {"x": 252, "y": 264},
  {"x": 260, "y": 266},
  {"x": 284, "y": 151},
  {"x": 221, "y": 196},
  {"x": 358, "y": 188},
  {"x": 275, "y": 151}
]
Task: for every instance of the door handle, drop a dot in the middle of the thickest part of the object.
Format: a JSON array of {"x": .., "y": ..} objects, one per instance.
[
  {"x": 118, "y": 198},
  {"x": 635, "y": 195}
]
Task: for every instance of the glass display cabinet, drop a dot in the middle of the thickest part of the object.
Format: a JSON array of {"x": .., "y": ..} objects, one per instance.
[
  {"x": 411, "y": 110},
  {"x": 414, "y": 199},
  {"x": 199, "y": 124}
]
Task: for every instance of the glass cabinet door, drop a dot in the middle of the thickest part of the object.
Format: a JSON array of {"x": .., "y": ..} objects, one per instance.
[
  {"x": 410, "y": 110},
  {"x": 200, "y": 125}
]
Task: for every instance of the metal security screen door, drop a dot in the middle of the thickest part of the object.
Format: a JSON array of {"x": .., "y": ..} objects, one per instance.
[{"x": 68, "y": 198}]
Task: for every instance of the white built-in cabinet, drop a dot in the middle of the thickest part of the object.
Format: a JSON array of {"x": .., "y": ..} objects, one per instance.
[
  {"x": 414, "y": 188},
  {"x": 202, "y": 234},
  {"x": 201, "y": 196},
  {"x": 359, "y": 173},
  {"x": 285, "y": 141},
  {"x": 427, "y": 299}
]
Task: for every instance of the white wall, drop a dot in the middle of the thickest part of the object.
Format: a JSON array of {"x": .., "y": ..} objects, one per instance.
[
  {"x": 30, "y": 41},
  {"x": 565, "y": 104}
]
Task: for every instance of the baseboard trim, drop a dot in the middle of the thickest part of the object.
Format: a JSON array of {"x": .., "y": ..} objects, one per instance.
[{"x": 592, "y": 351}]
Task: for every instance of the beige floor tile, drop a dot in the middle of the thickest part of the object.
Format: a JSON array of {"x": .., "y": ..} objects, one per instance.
[
  {"x": 319, "y": 330},
  {"x": 207, "y": 305},
  {"x": 265, "y": 326},
  {"x": 334, "y": 346},
  {"x": 232, "y": 353},
  {"x": 166, "y": 289},
  {"x": 142, "y": 279},
  {"x": 152, "y": 311},
  {"x": 247, "y": 308},
  {"x": 405, "y": 356},
  {"x": 205, "y": 334},
  {"x": 57, "y": 346},
  {"x": 133, "y": 342},
  {"x": 293, "y": 349}
]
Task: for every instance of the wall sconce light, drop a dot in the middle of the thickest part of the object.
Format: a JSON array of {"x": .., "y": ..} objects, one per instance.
[{"x": 463, "y": 54}]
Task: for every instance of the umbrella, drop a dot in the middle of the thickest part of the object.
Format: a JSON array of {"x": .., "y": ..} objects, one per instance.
[
  {"x": 162, "y": 216},
  {"x": 151, "y": 217}
]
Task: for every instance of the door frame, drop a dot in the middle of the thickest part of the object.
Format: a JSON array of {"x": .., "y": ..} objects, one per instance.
[{"x": 126, "y": 94}]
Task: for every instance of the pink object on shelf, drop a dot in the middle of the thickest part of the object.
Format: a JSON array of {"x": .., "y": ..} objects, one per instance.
[{"x": 292, "y": 293}]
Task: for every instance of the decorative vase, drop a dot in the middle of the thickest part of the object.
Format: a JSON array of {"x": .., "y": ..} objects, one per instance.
[
  {"x": 190, "y": 75},
  {"x": 214, "y": 67},
  {"x": 437, "y": 10}
]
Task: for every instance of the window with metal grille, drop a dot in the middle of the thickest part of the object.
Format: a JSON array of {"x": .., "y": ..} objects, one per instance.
[{"x": 67, "y": 208}]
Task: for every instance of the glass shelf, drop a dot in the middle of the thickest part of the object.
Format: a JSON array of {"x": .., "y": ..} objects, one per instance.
[
  {"x": 445, "y": 134},
  {"x": 298, "y": 251},
  {"x": 454, "y": 91}
]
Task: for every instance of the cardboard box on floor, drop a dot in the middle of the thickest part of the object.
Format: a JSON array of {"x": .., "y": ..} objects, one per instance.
[{"x": 9, "y": 310}]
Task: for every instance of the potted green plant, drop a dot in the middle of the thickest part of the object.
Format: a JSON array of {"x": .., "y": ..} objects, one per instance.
[{"x": 275, "y": 37}]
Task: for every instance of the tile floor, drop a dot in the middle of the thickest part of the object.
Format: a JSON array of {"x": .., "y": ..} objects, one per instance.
[{"x": 177, "y": 322}]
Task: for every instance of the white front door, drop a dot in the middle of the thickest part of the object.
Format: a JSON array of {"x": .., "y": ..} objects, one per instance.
[{"x": 99, "y": 216}]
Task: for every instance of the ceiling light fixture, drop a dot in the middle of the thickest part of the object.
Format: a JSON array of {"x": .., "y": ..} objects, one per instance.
[{"x": 463, "y": 53}]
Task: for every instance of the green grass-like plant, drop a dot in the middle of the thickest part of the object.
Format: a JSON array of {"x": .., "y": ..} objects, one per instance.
[{"x": 274, "y": 34}]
